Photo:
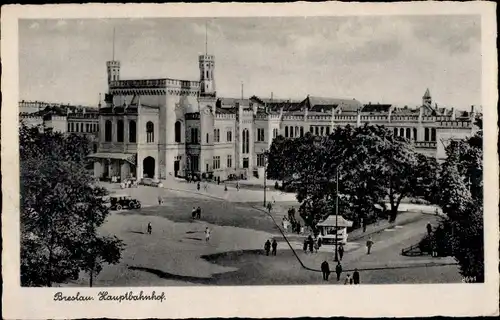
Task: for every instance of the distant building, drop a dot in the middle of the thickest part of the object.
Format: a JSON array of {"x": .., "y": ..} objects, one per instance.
[
  {"x": 169, "y": 127},
  {"x": 61, "y": 118}
]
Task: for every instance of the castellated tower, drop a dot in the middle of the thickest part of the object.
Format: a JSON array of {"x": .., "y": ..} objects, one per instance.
[
  {"x": 427, "y": 99},
  {"x": 207, "y": 82},
  {"x": 113, "y": 69}
]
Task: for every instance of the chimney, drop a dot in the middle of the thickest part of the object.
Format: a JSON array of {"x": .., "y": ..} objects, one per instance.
[
  {"x": 281, "y": 112},
  {"x": 472, "y": 109},
  {"x": 453, "y": 117},
  {"x": 390, "y": 114}
]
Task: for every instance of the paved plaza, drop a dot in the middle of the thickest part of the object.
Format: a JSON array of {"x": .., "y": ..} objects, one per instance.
[{"x": 176, "y": 253}]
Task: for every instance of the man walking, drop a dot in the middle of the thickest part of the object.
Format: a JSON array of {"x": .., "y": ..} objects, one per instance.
[
  {"x": 341, "y": 251},
  {"x": 198, "y": 213},
  {"x": 160, "y": 200},
  {"x": 150, "y": 228},
  {"x": 237, "y": 186},
  {"x": 355, "y": 276},
  {"x": 269, "y": 207},
  {"x": 193, "y": 213},
  {"x": 369, "y": 245},
  {"x": 338, "y": 270},
  {"x": 267, "y": 247},
  {"x": 198, "y": 186},
  {"x": 325, "y": 269},
  {"x": 274, "y": 246}
]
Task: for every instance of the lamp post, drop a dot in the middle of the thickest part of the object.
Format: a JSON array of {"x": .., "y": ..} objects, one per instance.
[
  {"x": 265, "y": 178},
  {"x": 336, "y": 214}
]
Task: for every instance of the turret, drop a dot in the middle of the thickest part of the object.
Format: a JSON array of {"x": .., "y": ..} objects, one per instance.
[
  {"x": 207, "y": 82},
  {"x": 113, "y": 70},
  {"x": 427, "y": 99}
]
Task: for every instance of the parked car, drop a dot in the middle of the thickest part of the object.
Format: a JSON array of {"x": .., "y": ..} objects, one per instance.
[
  {"x": 151, "y": 182},
  {"x": 120, "y": 201}
]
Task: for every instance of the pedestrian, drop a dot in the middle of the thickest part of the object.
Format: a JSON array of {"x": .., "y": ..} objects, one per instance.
[
  {"x": 325, "y": 269},
  {"x": 338, "y": 270},
  {"x": 274, "y": 246},
  {"x": 198, "y": 186},
  {"x": 429, "y": 228},
  {"x": 316, "y": 246},
  {"x": 320, "y": 241},
  {"x": 225, "y": 187},
  {"x": 311, "y": 245},
  {"x": 341, "y": 251},
  {"x": 198, "y": 213},
  {"x": 355, "y": 276},
  {"x": 218, "y": 180},
  {"x": 369, "y": 245},
  {"x": 150, "y": 228},
  {"x": 193, "y": 213},
  {"x": 207, "y": 234},
  {"x": 305, "y": 246},
  {"x": 269, "y": 207},
  {"x": 160, "y": 200},
  {"x": 205, "y": 186},
  {"x": 298, "y": 227},
  {"x": 363, "y": 222},
  {"x": 237, "y": 186},
  {"x": 348, "y": 279},
  {"x": 267, "y": 247}
]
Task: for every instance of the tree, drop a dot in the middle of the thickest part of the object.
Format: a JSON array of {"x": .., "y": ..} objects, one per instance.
[
  {"x": 61, "y": 210},
  {"x": 462, "y": 201}
]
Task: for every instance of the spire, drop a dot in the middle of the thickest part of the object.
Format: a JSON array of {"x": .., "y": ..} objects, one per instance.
[
  {"x": 206, "y": 38},
  {"x": 427, "y": 94},
  {"x": 113, "y": 44},
  {"x": 99, "y": 104},
  {"x": 241, "y": 90}
]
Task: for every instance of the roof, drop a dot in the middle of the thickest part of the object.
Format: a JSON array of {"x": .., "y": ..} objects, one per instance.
[
  {"x": 427, "y": 94},
  {"x": 226, "y": 110},
  {"x": 330, "y": 222},
  {"x": 233, "y": 101},
  {"x": 326, "y": 104},
  {"x": 130, "y": 157},
  {"x": 376, "y": 107},
  {"x": 277, "y": 104}
]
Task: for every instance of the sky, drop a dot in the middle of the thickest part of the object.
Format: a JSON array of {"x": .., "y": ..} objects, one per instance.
[{"x": 385, "y": 59}]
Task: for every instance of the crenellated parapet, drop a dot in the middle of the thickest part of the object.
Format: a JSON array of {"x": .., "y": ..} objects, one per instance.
[{"x": 224, "y": 116}]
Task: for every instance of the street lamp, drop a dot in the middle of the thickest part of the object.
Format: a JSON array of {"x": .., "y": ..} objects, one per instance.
[
  {"x": 265, "y": 178},
  {"x": 336, "y": 215}
]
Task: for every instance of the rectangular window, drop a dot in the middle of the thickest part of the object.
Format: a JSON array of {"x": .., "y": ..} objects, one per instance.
[
  {"x": 260, "y": 134},
  {"x": 426, "y": 138},
  {"x": 261, "y": 160},
  {"x": 216, "y": 162},
  {"x": 245, "y": 163},
  {"x": 194, "y": 135},
  {"x": 87, "y": 127},
  {"x": 216, "y": 135},
  {"x": 322, "y": 131},
  {"x": 229, "y": 136},
  {"x": 327, "y": 131},
  {"x": 69, "y": 127},
  {"x": 311, "y": 129},
  {"x": 229, "y": 161}
]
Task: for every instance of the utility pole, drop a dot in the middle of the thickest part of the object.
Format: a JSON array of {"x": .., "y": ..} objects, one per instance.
[{"x": 336, "y": 215}]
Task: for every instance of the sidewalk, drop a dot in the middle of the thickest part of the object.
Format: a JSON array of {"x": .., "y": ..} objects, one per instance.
[{"x": 231, "y": 195}]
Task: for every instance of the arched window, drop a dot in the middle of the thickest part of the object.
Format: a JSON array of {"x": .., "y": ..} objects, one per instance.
[
  {"x": 177, "y": 132},
  {"x": 426, "y": 138},
  {"x": 327, "y": 131},
  {"x": 132, "y": 131},
  {"x": 207, "y": 138},
  {"x": 402, "y": 132},
  {"x": 415, "y": 134},
  {"x": 247, "y": 141},
  {"x": 301, "y": 131},
  {"x": 120, "y": 131},
  {"x": 108, "y": 130},
  {"x": 408, "y": 133},
  {"x": 291, "y": 132},
  {"x": 395, "y": 132},
  {"x": 297, "y": 131},
  {"x": 286, "y": 132},
  {"x": 150, "y": 132},
  {"x": 433, "y": 134},
  {"x": 229, "y": 136}
]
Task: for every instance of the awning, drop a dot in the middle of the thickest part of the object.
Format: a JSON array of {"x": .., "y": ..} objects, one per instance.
[
  {"x": 130, "y": 157},
  {"x": 330, "y": 222}
]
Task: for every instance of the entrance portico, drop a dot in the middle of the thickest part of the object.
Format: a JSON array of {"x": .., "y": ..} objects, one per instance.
[{"x": 108, "y": 165}]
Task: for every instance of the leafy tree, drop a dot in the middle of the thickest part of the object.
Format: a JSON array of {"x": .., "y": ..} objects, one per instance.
[
  {"x": 462, "y": 201},
  {"x": 61, "y": 210}
]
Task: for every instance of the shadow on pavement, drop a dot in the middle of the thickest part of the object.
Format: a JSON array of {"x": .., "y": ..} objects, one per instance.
[
  {"x": 138, "y": 232},
  {"x": 170, "y": 276},
  {"x": 199, "y": 239}
]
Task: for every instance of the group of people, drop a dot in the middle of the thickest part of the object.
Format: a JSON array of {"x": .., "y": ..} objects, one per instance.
[
  {"x": 325, "y": 270},
  {"x": 196, "y": 213},
  {"x": 268, "y": 245},
  {"x": 313, "y": 244}
]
